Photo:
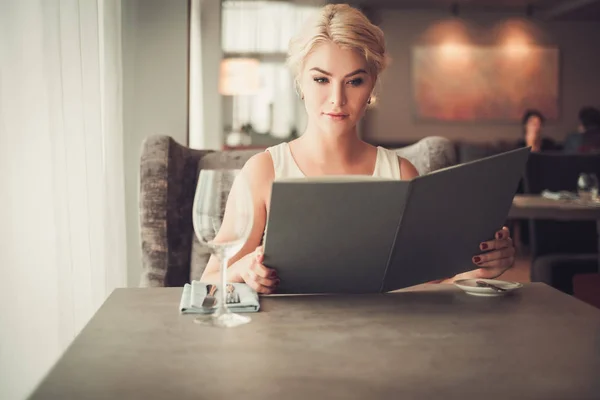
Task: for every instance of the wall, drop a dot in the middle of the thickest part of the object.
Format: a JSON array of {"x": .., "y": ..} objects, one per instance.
[
  {"x": 210, "y": 26},
  {"x": 205, "y": 129},
  {"x": 391, "y": 121},
  {"x": 155, "y": 87}
]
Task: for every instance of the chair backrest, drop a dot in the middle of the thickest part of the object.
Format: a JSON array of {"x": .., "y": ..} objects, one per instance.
[
  {"x": 171, "y": 254},
  {"x": 558, "y": 172},
  {"x": 430, "y": 154},
  {"x": 168, "y": 176}
]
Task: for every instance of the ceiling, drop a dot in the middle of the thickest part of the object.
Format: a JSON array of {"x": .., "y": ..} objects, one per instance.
[{"x": 544, "y": 9}]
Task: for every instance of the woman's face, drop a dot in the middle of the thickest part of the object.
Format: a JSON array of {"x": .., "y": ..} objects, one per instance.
[{"x": 336, "y": 88}]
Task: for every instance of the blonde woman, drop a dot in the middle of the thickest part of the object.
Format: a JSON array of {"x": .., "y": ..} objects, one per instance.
[{"x": 336, "y": 61}]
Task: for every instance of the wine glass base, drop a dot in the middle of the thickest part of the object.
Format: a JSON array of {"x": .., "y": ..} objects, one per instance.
[{"x": 227, "y": 320}]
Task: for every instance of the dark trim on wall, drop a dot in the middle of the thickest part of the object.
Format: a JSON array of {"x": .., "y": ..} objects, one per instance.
[{"x": 189, "y": 44}]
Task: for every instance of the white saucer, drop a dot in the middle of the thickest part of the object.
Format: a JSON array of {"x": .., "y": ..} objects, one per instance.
[{"x": 470, "y": 287}]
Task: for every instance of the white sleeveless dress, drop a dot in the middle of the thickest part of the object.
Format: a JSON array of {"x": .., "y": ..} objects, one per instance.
[{"x": 386, "y": 166}]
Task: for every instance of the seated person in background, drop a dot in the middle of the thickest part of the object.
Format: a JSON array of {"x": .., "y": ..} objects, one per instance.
[
  {"x": 335, "y": 61},
  {"x": 588, "y": 138},
  {"x": 533, "y": 122}
]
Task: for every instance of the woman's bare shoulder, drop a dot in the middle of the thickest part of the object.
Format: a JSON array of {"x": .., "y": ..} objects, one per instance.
[
  {"x": 260, "y": 166},
  {"x": 259, "y": 171},
  {"x": 407, "y": 169}
]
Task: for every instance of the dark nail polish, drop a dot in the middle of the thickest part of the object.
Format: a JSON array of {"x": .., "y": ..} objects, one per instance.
[
  {"x": 476, "y": 259},
  {"x": 273, "y": 274},
  {"x": 484, "y": 246},
  {"x": 277, "y": 281}
]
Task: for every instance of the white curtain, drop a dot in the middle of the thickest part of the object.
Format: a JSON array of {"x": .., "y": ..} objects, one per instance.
[{"x": 62, "y": 234}]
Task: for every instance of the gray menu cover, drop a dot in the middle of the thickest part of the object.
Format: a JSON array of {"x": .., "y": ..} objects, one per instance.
[
  {"x": 448, "y": 214},
  {"x": 353, "y": 236},
  {"x": 332, "y": 237}
]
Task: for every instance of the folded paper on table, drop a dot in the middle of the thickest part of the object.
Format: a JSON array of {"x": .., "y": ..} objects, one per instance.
[{"x": 193, "y": 295}]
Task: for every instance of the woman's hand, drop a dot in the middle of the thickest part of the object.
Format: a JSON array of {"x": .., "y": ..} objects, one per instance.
[
  {"x": 498, "y": 256},
  {"x": 251, "y": 270}
]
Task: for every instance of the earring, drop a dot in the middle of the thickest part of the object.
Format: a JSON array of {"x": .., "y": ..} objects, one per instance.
[
  {"x": 369, "y": 101},
  {"x": 302, "y": 96}
]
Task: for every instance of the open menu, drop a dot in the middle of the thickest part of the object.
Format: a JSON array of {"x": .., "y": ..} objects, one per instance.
[{"x": 359, "y": 234}]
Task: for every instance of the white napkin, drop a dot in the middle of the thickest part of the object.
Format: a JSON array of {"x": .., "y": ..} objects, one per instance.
[
  {"x": 193, "y": 295},
  {"x": 562, "y": 195}
]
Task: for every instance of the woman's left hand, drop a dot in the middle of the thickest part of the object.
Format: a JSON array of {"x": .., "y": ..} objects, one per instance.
[{"x": 498, "y": 256}]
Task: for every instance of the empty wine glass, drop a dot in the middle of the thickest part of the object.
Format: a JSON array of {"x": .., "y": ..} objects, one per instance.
[
  {"x": 587, "y": 187},
  {"x": 225, "y": 235}
]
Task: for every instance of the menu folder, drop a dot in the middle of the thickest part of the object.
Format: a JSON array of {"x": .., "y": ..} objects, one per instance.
[{"x": 358, "y": 234}]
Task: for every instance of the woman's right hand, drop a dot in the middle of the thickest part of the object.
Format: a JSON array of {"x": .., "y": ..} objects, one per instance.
[{"x": 252, "y": 271}]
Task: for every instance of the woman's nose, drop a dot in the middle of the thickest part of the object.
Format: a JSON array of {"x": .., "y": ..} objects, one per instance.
[{"x": 338, "y": 95}]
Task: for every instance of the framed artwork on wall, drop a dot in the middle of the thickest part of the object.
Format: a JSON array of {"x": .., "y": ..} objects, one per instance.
[{"x": 484, "y": 83}]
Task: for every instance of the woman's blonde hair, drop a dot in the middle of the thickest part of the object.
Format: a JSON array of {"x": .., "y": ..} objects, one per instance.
[{"x": 345, "y": 26}]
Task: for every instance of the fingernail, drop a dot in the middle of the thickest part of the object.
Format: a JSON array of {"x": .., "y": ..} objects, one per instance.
[
  {"x": 277, "y": 281},
  {"x": 476, "y": 259},
  {"x": 273, "y": 274},
  {"x": 498, "y": 236},
  {"x": 483, "y": 246}
]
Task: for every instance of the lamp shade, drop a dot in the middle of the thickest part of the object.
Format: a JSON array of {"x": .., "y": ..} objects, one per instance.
[{"x": 239, "y": 76}]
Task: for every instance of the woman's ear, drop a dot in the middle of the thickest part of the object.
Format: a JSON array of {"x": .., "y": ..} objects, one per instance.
[
  {"x": 373, "y": 89},
  {"x": 298, "y": 89}
]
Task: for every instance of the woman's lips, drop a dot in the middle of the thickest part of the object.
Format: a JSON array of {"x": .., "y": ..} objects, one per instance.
[{"x": 336, "y": 116}]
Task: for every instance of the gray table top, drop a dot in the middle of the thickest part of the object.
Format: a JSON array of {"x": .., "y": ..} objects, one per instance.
[
  {"x": 535, "y": 206},
  {"x": 430, "y": 343}
]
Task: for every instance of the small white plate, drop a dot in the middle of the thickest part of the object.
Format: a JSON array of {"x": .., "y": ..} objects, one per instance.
[{"x": 470, "y": 286}]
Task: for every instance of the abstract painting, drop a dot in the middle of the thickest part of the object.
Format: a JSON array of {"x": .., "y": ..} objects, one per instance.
[{"x": 477, "y": 83}]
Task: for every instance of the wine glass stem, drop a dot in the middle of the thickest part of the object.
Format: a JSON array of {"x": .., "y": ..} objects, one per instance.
[{"x": 223, "y": 292}]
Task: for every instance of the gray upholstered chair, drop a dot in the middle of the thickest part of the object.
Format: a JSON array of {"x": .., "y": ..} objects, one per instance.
[{"x": 171, "y": 255}]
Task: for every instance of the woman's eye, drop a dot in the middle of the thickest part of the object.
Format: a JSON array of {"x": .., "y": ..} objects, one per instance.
[
  {"x": 356, "y": 82},
  {"x": 321, "y": 80}
]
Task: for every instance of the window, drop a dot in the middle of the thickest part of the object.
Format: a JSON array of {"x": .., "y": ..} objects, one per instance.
[{"x": 261, "y": 30}]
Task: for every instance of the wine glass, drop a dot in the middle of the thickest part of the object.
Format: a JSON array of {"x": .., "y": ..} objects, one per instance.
[
  {"x": 217, "y": 191},
  {"x": 587, "y": 187}
]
